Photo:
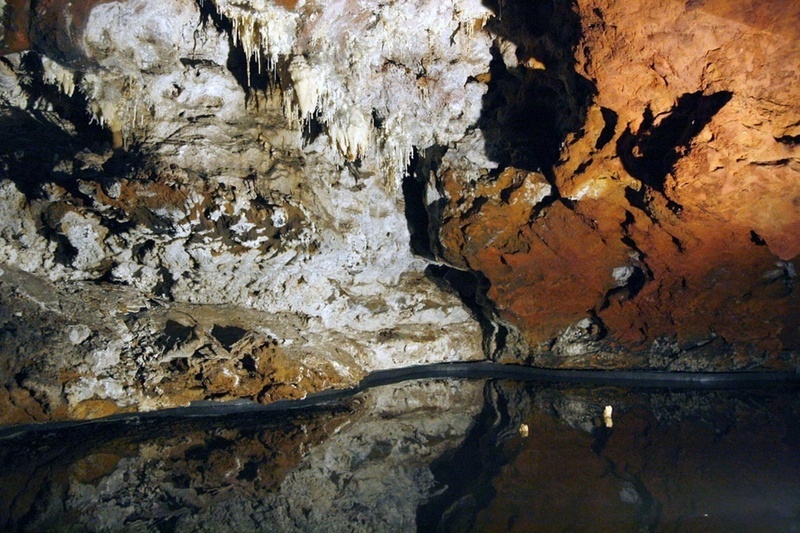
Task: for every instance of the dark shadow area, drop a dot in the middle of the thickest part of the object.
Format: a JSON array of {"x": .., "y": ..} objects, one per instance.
[
  {"x": 650, "y": 154},
  {"x": 415, "y": 183},
  {"x": 313, "y": 128},
  {"x": 31, "y": 147},
  {"x": 610, "y": 119},
  {"x": 467, "y": 472},
  {"x": 228, "y": 335},
  {"x": 33, "y": 142},
  {"x": 175, "y": 334},
  {"x": 633, "y": 285},
  {"x": 527, "y": 112},
  {"x": 417, "y": 216},
  {"x": 791, "y": 140},
  {"x": 471, "y": 288},
  {"x": 756, "y": 239},
  {"x": 125, "y": 164},
  {"x": 245, "y": 69}
]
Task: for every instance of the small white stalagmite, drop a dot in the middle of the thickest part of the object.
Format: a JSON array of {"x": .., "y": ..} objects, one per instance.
[
  {"x": 607, "y": 420},
  {"x": 351, "y": 134},
  {"x": 62, "y": 77}
]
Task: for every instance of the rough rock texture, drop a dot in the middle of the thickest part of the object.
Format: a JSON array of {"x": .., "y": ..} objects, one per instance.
[
  {"x": 362, "y": 465},
  {"x": 640, "y": 205},
  {"x": 261, "y": 199},
  {"x": 178, "y": 223}
]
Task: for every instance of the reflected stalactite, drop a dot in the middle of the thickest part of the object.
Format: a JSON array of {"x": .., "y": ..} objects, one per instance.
[{"x": 435, "y": 455}]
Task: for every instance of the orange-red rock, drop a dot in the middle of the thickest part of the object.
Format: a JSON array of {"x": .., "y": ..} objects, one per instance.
[{"x": 677, "y": 218}]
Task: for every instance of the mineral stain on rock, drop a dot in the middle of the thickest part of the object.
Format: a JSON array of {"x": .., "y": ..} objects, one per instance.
[
  {"x": 661, "y": 179},
  {"x": 264, "y": 199}
]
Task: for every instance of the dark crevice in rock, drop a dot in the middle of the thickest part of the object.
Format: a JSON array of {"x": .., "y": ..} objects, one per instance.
[
  {"x": 756, "y": 239},
  {"x": 791, "y": 140},
  {"x": 249, "y": 364},
  {"x": 245, "y": 69},
  {"x": 65, "y": 253},
  {"x": 312, "y": 128},
  {"x": 175, "y": 334},
  {"x": 471, "y": 288},
  {"x": 598, "y": 330},
  {"x": 139, "y": 251},
  {"x": 583, "y": 166},
  {"x": 228, "y": 335},
  {"x": 650, "y": 154},
  {"x": 527, "y": 112},
  {"x": 414, "y": 185},
  {"x": 163, "y": 289},
  {"x": 610, "y": 119},
  {"x": 632, "y": 286},
  {"x": 501, "y": 339},
  {"x": 31, "y": 148},
  {"x": 638, "y": 199},
  {"x": 155, "y": 223},
  {"x": 628, "y": 241},
  {"x": 475, "y": 208},
  {"x": 568, "y": 203},
  {"x": 678, "y": 244},
  {"x": 773, "y": 163},
  {"x": 179, "y": 365},
  {"x": 126, "y": 163},
  {"x": 675, "y": 207}
]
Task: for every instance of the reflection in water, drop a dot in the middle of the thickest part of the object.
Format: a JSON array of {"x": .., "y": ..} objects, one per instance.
[{"x": 447, "y": 455}]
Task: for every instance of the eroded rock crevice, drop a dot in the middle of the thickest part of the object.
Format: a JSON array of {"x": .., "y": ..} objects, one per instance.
[
  {"x": 634, "y": 255},
  {"x": 651, "y": 153},
  {"x": 317, "y": 190},
  {"x": 184, "y": 176}
]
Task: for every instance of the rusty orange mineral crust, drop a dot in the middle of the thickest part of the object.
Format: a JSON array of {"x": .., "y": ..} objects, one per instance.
[
  {"x": 713, "y": 241},
  {"x": 15, "y": 20},
  {"x": 52, "y": 27}
]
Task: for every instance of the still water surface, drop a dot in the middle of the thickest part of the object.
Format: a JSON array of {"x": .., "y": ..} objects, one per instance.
[{"x": 428, "y": 455}]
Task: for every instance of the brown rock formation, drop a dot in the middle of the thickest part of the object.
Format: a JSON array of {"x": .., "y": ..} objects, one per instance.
[
  {"x": 675, "y": 211},
  {"x": 622, "y": 180}
]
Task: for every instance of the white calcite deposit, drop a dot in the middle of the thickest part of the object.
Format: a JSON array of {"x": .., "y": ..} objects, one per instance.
[{"x": 276, "y": 210}]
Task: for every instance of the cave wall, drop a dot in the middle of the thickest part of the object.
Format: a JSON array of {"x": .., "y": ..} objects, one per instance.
[
  {"x": 263, "y": 199},
  {"x": 180, "y": 223},
  {"x": 657, "y": 224}
]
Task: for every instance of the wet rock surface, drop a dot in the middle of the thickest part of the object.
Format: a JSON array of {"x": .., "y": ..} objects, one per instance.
[
  {"x": 361, "y": 464},
  {"x": 447, "y": 455}
]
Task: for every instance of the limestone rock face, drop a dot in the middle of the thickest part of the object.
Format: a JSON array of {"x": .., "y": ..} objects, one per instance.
[
  {"x": 662, "y": 182},
  {"x": 179, "y": 223},
  {"x": 260, "y": 199}
]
